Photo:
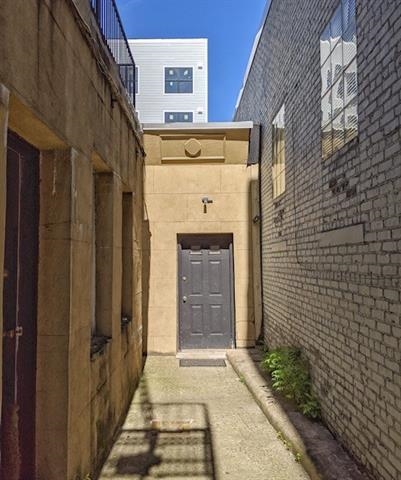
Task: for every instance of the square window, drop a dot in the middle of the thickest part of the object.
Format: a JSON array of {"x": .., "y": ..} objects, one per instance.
[
  {"x": 339, "y": 80},
  {"x": 173, "y": 117},
  {"x": 127, "y": 77},
  {"x": 278, "y": 153},
  {"x": 178, "y": 80}
]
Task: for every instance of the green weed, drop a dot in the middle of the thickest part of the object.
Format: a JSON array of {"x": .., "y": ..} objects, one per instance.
[
  {"x": 288, "y": 445},
  {"x": 298, "y": 457},
  {"x": 291, "y": 377}
]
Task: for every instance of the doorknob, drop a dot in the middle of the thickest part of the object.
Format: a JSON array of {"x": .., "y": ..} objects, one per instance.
[{"x": 184, "y": 299}]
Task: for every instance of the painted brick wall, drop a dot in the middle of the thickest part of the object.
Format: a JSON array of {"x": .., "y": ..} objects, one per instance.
[{"x": 332, "y": 257}]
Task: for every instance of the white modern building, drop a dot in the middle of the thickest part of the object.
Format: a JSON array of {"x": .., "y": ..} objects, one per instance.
[{"x": 171, "y": 79}]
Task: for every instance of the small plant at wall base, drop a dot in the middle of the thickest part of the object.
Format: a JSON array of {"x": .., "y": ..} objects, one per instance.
[{"x": 291, "y": 377}]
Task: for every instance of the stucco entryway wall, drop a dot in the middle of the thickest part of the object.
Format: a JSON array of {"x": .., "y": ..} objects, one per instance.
[{"x": 185, "y": 163}]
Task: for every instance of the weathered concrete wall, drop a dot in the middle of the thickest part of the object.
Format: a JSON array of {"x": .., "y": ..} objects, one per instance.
[
  {"x": 56, "y": 71},
  {"x": 174, "y": 186},
  {"x": 66, "y": 99},
  {"x": 331, "y": 258}
]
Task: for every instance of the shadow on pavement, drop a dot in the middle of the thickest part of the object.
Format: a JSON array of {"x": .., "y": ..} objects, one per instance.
[{"x": 162, "y": 440}]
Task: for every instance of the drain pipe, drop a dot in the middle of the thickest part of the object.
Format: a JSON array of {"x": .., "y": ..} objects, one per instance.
[{"x": 261, "y": 335}]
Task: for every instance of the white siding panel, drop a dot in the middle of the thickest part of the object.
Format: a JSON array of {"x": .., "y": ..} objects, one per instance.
[{"x": 151, "y": 57}]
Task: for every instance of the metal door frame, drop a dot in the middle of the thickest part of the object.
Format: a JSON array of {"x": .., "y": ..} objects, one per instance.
[{"x": 228, "y": 238}]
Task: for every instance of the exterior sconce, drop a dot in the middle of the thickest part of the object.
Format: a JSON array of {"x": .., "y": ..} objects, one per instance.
[{"x": 206, "y": 201}]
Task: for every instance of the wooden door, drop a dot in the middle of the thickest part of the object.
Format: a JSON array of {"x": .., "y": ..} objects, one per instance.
[{"x": 20, "y": 311}]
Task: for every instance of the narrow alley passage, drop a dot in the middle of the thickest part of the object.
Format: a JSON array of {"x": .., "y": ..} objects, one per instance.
[{"x": 197, "y": 423}]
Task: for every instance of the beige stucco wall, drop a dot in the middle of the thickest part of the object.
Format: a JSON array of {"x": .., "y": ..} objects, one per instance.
[
  {"x": 66, "y": 99},
  {"x": 174, "y": 186}
]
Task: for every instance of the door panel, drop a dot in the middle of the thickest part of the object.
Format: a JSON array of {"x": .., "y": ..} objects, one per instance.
[
  {"x": 19, "y": 313},
  {"x": 216, "y": 319},
  {"x": 215, "y": 276},
  {"x": 196, "y": 319},
  {"x": 205, "y": 319},
  {"x": 196, "y": 277}
]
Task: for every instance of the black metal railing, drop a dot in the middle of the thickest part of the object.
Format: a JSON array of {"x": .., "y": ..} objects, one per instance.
[{"x": 113, "y": 32}]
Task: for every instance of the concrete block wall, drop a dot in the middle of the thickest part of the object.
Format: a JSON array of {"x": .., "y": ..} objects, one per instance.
[{"x": 332, "y": 259}]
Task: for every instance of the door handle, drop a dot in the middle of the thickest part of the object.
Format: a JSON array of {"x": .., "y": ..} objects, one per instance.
[
  {"x": 184, "y": 299},
  {"x": 17, "y": 332}
]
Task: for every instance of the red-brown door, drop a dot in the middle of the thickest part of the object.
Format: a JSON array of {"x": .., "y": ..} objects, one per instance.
[{"x": 20, "y": 311}]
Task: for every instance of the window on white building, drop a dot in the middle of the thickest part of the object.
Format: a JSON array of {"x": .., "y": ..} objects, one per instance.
[
  {"x": 339, "y": 79},
  {"x": 136, "y": 80},
  {"x": 173, "y": 117},
  {"x": 178, "y": 80},
  {"x": 128, "y": 79}
]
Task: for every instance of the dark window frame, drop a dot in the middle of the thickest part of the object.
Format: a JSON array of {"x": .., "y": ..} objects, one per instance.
[
  {"x": 178, "y": 120},
  {"x": 178, "y": 81}
]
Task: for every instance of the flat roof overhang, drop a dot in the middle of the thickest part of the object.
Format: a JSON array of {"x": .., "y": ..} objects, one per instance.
[{"x": 196, "y": 127}]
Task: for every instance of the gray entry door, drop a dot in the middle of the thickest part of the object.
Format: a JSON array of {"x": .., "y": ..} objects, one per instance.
[{"x": 205, "y": 297}]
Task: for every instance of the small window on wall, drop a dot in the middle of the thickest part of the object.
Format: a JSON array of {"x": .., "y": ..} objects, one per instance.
[
  {"x": 136, "y": 80},
  {"x": 127, "y": 236},
  {"x": 173, "y": 117},
  {"x": 278, "y": 143},
  {"x": 339, "y": 79},
  {"x": 178, "y": 80},
  {"x": 128, "y": 77}
]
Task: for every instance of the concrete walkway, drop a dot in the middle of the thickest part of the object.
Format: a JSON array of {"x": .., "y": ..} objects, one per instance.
[
  {"x": 197, "y": 423},
  {"x": 320, "y": 453}
]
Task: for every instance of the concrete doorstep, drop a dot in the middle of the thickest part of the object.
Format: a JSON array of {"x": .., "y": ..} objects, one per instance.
[{"x": 311, "y": 442}]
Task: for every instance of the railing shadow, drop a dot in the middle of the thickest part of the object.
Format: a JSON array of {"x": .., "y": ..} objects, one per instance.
[{"x": 163, "y": 440}]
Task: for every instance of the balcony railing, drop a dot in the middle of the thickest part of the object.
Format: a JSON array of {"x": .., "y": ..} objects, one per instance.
[{"x": 113, "y": 32}]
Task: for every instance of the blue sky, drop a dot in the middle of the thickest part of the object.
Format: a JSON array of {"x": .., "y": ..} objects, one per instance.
[{"x": 230, "y": 26}]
